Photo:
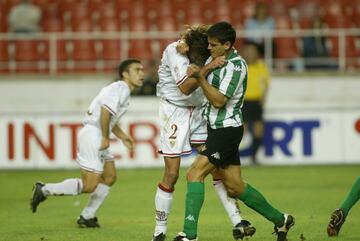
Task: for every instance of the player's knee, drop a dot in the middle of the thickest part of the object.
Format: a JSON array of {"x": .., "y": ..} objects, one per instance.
[
  {"x": 234, "y": 190},
  {"x": 110, "y": 179},
  {"x": 172, "y": 177},
  {"x": 193, "y": 175},
  {"x": 89, "y": 188}
]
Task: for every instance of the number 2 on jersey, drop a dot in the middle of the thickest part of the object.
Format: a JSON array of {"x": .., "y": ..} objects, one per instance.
[{"x": 174, "y": 133}]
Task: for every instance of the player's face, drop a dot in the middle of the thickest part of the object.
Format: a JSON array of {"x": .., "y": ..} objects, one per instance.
[
  {"x": 216, "y": 48},
  {"x": 136, "y": 74}
]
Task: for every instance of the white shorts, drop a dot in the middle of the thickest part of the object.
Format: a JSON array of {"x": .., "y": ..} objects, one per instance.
[
  {"x": 88, "y": 156},
  {"x": 180, "y": 127}
]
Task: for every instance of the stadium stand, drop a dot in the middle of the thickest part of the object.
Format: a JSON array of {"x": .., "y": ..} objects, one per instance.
[{"x": 75, "y": 27}]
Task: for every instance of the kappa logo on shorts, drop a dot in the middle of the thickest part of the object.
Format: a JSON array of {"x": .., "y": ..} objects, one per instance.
[{"x": 216, "y": 155}]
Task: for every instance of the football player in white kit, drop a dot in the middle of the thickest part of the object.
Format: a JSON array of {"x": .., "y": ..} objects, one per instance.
[
  {"x": 182, "y": 125},
  {"x": 98, "y": 171}
]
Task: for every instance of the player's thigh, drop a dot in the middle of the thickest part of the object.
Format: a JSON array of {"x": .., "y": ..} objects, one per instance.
[
  {"x": 89, "y": 140},
  {"x": 90, "y": 180},
  {"x": 172, "y": 165},
  {"x": 199, "y": 169},
  {"x": 174, "y": 131},
  {"x": 198, "y": 128},
  {"x": 216, "y": 174}
]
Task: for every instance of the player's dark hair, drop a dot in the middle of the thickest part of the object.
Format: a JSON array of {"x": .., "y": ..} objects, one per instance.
[
  {"x": 222, "y": 31},
  {"x": 124, "y": 66},
  {"x": 196, "y": 39}
]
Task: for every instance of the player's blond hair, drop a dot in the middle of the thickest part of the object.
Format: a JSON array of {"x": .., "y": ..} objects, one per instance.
[{"x": 195, "y": 36}]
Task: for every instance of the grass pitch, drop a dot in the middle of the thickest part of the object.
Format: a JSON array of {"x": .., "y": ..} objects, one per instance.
[{"x": 310, "y": 193}]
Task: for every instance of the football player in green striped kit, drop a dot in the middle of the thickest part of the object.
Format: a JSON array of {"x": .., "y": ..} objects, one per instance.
[{"x": 224, "y": 89}]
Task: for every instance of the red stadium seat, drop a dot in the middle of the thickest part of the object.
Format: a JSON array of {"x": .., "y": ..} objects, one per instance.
[
  {"x": 43, "y": 3},
  {"x": 140, "y": 48},
  {"x": 82, "y": 25},
  {"x": 109, "y": 24},
  {"x": 138, "y": 25},
  {"x": 96, "y": 5},
  {"x": 4, "y": 51},
  {"x": 223, "y": 13},
  {"x": 3, "y": 21},
  {"x": 194, "y": 14},
  {"x": 27, "y": 55},
  {"x": 350, "y": 49},
  {"x": 286, "y": 47},
  {"x": 8, "y": 4},
  {"x": 53, "y": 25},
  {"x": 106, "y": 10},
  {"x": 84, "y": 49},
  {"x": 111, "y": 49},
  {"x": 26, "y": 50},
  {"x": 4, "y": 56},
  {"x": 166, "y": 24},
  {"x": 50, "y": 11},
  {"x": 61, "y": 50}
]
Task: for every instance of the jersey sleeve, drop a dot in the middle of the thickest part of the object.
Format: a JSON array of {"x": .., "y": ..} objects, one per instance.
[
  {"x": 178, "y": 65},
  {"x": 232, "y": 77},
  {"x": 111, "y": 101}
]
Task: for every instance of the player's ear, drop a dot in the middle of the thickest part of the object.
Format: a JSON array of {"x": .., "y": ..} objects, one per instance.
[
  {"x": 227, "y": 45},
  {"x": 125, "y": 75}
]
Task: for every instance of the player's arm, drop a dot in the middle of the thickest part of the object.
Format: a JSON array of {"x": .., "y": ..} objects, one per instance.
[
  {"x": 104, "y": 124},
  {"x": 126, "y": 139},
  {"x": 215, "y": 63},
  {"x": 190, "y": 84},
  {"x": 215, "y": 97}
]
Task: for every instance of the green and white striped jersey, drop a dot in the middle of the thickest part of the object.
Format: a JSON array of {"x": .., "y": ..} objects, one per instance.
[{"x": 231, "y": 81}]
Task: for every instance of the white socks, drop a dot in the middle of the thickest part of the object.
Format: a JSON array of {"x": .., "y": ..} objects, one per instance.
[
  {"x": 71, "y": 186},
  {"x": 163, "y": 202},
  {"x": 96, "y": 199},
  {"x": 229, "y": 203}
]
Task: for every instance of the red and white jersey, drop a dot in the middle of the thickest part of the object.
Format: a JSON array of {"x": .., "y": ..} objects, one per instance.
[
  {"x": 115, "y": 98},
  {"x": 172, "y": 73}
]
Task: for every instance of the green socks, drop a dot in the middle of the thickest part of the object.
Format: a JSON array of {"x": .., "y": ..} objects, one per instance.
[
  {"x": 194, "y": 201},
  {"x": 352, "y": 197},
  {"x": 256, "y": 201}
]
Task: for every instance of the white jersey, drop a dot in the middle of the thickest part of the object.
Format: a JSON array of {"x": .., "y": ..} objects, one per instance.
[
  {"x": 172, "y": 73},
  {"x": 115, "y": 98}
]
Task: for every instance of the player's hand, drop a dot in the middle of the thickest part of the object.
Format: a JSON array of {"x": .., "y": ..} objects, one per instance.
[
  {"x": 105, "y": 143},
  {"x": 128, "y": 142},
  {"x": 182, "y": 47},
  {"x": 217, "y": 62},
  {"x": 193, "y": 71}
]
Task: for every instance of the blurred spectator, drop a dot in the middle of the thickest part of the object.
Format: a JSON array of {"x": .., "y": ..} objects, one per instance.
[
  {"x": 151, "y": 79},
  {"x": 24, "y": 18},
  {"x": 314, "y": 47},
  {"x": 257, "y": 86},
  {"x": 261, "y": 20}
]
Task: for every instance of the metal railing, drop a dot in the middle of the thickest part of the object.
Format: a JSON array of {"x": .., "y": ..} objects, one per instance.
[{"x": 342, "y": 60}]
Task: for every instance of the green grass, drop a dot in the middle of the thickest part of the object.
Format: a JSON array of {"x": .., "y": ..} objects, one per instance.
[{"x": 310, "y": 193}]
